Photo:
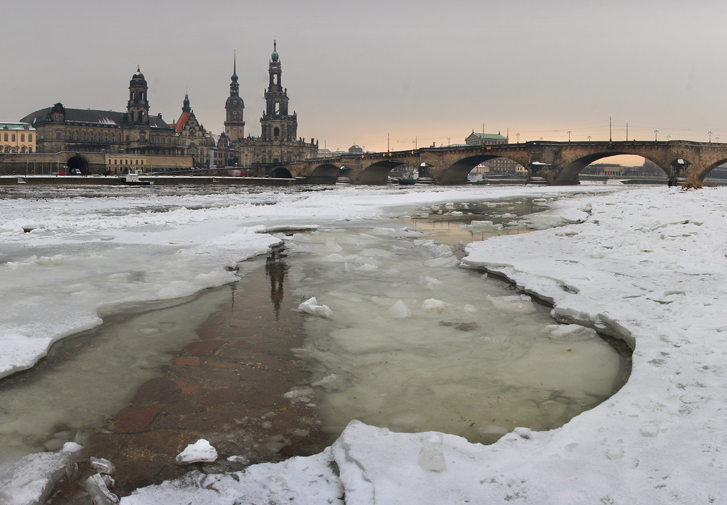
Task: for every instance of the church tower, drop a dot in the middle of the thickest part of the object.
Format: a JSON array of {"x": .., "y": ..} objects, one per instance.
[
  {"x": 138, "y": 106},
  {"x": 277, "y": 124},
  {"x": 234, "y": 107}
]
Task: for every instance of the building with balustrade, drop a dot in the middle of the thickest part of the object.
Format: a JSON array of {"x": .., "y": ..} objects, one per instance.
[{"x": 133, "y": 132}]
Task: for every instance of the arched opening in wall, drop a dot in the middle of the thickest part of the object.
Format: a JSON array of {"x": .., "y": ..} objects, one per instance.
[
  {"x": 77, "y": 163},
  {"x": 280, "y": 173},
  {"x": 605, "y": 167},
  {"x": 479, "y": 168},
  {"x": 276, "y": 132}
]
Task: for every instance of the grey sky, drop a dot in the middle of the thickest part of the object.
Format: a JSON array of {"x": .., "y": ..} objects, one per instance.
[{"x": 356, "y": 72}]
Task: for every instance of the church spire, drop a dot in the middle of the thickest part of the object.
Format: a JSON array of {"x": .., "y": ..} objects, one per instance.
[
  {"x": 186, "y": 107},
  {"x": 234, "y": 67}
]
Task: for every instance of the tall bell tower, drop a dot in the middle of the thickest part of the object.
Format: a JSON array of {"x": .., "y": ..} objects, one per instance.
[
  {"x": 138, "y": 106},
  {"x": 234, "y": 108},
  {"x": 276, "y": 123}
]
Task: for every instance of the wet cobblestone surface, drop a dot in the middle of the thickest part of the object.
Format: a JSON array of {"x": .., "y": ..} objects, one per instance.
[{"x": 227, "y": 388}]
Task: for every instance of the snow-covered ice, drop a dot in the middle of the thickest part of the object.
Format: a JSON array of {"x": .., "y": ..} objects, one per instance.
[
  {"x": 645, "y": 264},
  {"x": 199, "y": 452}
]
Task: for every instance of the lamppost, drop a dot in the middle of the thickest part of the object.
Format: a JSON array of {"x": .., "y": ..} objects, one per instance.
[
  {"x": 568, "y": 135},
  {"x": 656, "y": 134},
  {"x": 710, "y": 137},
  {"x": 448, "y": 141},
  {"x": 716, "y": 139},
  {"x": 668, "y": 137},
  {"x": 589, "y": 138},
  {"x": 518, "y": 137}
]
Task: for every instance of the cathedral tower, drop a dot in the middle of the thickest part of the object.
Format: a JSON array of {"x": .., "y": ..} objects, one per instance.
[
  {"x": 276, "y": 123},
  {"x": 138, "y": 106},
  {"x": 234, "y": 107}
]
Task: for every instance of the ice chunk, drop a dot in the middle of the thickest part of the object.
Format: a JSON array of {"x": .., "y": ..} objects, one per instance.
[
  {"x": 568, "y": 332},
  {"x": 470, "y": 308},
  {"x": 102, "y": 465},
  {"x": 431, "y": 456},
  {"x": 71, "y": 447},
  {"x": 332, "y": 245},
  {"x": 367, "y": 267},
  {"x": 433, "y": 305},
  {"x": 100, "y": 494},
  {"x": 199, "y": 452},
  {"x": 325, "y": 380},
  {"x": 311, "y": 307},
  {"x": 517, "y": 304},
  {"x": 399, "y": 310}
]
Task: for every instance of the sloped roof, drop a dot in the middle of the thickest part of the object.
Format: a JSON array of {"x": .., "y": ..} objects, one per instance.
[
  {"x": 89, "y": 116},
  {"x": 490, "y": 136},
  {"x": 179, "y": 125}
]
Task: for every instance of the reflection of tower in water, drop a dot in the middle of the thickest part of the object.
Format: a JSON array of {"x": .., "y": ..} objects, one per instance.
[{"x": 275, "y": 269}]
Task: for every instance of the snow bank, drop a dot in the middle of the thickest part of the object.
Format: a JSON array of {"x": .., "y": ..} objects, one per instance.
[{"x": 647, "y": 265}]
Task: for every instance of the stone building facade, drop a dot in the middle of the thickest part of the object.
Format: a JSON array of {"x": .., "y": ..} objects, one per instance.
[
  {"x": 134, "y": 132},
  {"x": 278, "y": 142},
  {"x": 192, "y": 139}
]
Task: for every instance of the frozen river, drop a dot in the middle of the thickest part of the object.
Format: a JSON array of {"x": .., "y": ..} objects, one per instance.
[{"x": 67, "y": 259}]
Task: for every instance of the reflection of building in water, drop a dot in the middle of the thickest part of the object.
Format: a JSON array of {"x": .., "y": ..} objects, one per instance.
[{"x": 275, "y": 268}]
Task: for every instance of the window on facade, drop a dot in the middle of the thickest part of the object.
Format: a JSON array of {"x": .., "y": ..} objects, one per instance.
[
  {"x": 30, "y": 149},
  {"x": 22, "y": 137},
  {"x": 30, "y": 137},
  {"x": 6, "y": 137},
  {"x": 15, "y": 150},
  {"x": 276, "y": 132},
  {"x": 83, "y": 135},
  {"x": 58, "y": 135},
  {"x": 277, "y": 109},
  {"x": 22, "y": 149},
  {"x": 13, "y": 137}
]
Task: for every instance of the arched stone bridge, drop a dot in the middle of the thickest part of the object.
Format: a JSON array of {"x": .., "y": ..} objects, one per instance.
[{"x": 557, "y": 162}]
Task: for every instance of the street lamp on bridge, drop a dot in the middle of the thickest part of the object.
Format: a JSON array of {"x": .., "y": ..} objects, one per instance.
[
  {"x": 589, "y": 138},
  {"x": 710, "y": 137},
  {"x": 568, "y": 135},
  {"x": 518, "y": 137},
  {"x": 656, "y": 134}
]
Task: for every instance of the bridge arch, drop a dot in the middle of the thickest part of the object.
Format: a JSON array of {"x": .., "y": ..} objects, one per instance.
[
  {"x": 702, "y": 174},
  {"x": 569, "y": 174},
  {"x": 378, "y": 172},
  {"x": 326, "y": 170},
  {"x": 458, "y": 171},
  {"x": 280, "y": 173}
]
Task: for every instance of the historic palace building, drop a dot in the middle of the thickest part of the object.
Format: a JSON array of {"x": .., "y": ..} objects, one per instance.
[
  {"x": 17, "y": 138},
  {"x": 278, "y": 142},
  {"x": 122, "y": 136}
]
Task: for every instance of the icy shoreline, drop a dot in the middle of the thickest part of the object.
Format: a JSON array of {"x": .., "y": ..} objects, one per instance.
[{"x": 647, "y": 264}]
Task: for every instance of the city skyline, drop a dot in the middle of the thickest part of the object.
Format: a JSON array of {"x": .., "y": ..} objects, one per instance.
[{"x": 401, "y": 75}]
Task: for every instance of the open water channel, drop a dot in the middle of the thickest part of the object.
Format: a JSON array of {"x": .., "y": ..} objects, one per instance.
[{"x": 407, "y": 340}]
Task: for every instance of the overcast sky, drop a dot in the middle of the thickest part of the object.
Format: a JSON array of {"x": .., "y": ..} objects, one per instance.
[{"x": 359, "y": 71}]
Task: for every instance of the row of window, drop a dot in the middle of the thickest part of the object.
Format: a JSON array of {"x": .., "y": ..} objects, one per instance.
[
  {"x": 126, "y": 162},
  {"x": 22, "y": 137},
  {"x": 14, "y": 149},
  {"x": 104, "y": 137}
]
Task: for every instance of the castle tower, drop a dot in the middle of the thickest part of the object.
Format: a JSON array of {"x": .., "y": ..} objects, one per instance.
[
  {"x": 138, "y": 106},
  {"x": 234, "y": 107},
  {"x": 276, "y": 123}
]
